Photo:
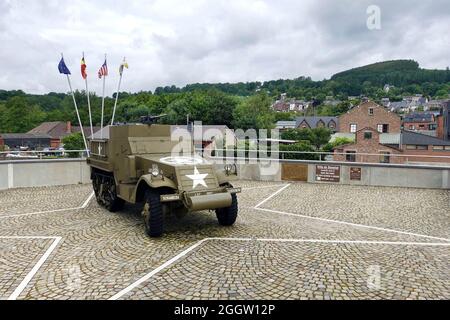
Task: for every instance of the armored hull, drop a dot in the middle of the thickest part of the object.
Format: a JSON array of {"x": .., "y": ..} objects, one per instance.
[{"x": 145, "y": 163}]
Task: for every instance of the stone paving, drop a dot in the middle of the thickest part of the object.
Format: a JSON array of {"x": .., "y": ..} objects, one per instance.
[
  {"x": 102, "y": 253},
  {"x": 423, "y": 211}
]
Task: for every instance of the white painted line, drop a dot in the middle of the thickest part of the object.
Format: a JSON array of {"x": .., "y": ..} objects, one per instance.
[
  {"x": 272, "y": 195},
  {"x": 87, "y": 200},
  {"x": 194, "y": 246},
  {"x": 51, "y": 211},
  {"x": 35, "y": 269},
  {"x": 329, "y": 241},
  {"x": 10, "y": 175},
  {"x": 155, "y": 271},
  {"x": 264, "y": 187},
  {"x": 353, "y": 224},
  {"x": 27, "y": 237},
  {"x": 298, "y": 215}
]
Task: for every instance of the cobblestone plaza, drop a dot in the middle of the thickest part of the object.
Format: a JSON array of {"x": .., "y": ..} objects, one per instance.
[{"x": 291, "y": 241}]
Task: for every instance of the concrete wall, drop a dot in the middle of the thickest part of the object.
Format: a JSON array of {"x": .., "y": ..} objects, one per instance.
[
  {"x": 34, "y": 173},
  {"x": 389, "y": 176},
  {"x": 260, "y": 173},
  {"x": 371, "y": 175}
]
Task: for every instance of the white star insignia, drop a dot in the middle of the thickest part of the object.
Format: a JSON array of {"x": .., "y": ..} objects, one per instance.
[{"x": 197, "y": 178}]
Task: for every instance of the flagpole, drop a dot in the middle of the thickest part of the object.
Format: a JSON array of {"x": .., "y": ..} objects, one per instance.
[
  {"x": 117, "y": 97},
  {"x": 103, "y": 105},
  {"x": 89, "y": 104},
  {"x": 78, "y": 114}
]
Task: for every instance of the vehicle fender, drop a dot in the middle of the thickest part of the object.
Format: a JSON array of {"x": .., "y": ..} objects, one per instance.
[
  {"x": 146, "y": 181},
  {"x": 222, "y": 178}
]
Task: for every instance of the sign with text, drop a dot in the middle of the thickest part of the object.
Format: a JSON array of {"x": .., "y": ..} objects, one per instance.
[
  {"x": 355, "y": 173},
  {"x": 328, "y": 173}
]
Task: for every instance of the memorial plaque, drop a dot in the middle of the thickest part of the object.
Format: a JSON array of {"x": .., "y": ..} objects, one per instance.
[
  {"x": 355, "y": 173},
  {"x": 328, "y": 173}
]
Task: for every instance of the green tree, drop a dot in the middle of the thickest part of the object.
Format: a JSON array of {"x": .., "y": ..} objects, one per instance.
[
  {"x": 73, "y": 141},
  {"x": 303, "y": 146},
  {"x": 254, "y": 113},
  {"x": 337, "y": 142},
  {"x": 218, "y": 108},
  {"x": 297, "y": 134},
  {"x": 316, "y": 137},
  {"x": 20, "y": 117},
  {"x": 2, "y": 118},
  {"x": 177, "y": 112},
  {"x": 319, "y": 137}
]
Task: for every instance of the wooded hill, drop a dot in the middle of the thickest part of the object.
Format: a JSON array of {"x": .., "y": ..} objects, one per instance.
[{"x": 240, "y": 105}]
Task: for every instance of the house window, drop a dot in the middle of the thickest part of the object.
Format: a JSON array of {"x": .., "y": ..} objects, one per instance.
[
  {"x": 411, "y": 127},
  {"x": 352, "y": 127},
  {"x": 438, "y": 148},
  {"x": 370, "y": 111},
  {"x": 383, "y": 128},
  {"x": 367, "y": 135},
  {"x": 385, "y": 157},
  {"x": 332, "y": 124},
  {"x": 350, "y": 156},
  {"x": 380, "y": 128},
  {"x": 422, "y": 147}
]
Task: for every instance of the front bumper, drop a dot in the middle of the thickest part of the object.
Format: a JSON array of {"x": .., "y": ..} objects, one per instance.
[{"x": 202, "y": 200}]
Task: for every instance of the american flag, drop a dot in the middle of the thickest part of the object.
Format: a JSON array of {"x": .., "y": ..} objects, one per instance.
[{"x": 103, "y": 70}]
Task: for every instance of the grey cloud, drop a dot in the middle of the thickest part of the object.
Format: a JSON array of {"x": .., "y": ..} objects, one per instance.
[{"x": 179, "y": 42}]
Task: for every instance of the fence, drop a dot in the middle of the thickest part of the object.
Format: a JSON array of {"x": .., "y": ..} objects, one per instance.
[
  {"x": 328, "y": 156},
  {"x": 47, "y": 172},
  {"x": 43, "y": 154}
]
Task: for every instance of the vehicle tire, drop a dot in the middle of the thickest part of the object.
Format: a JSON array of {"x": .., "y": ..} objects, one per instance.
[
  {"x": 106, "y": 194},
  {"x": 227, "y": 216},
  {"x": 153, "y": 214},
  {"x": 112, "y": 202},
  {"x": 96, "y": 186}
]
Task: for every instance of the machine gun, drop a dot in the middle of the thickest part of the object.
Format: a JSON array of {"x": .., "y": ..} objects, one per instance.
[{"x": 151, "y": 119}]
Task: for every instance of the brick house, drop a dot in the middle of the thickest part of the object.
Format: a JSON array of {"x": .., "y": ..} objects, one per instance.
[
  {"x": 367, "y": 140},
  {"x": 317, "y": 122},
  {"x": 443, "y": 122},
  {"x": 369, "y": 115},
  {"x": 417, "y": 144},
  {"x": 57, "y": 130},
  {"x": 425, "y": 122},
  {"x": 288, "y": 105},
  {"x": 382, "y": 137}
]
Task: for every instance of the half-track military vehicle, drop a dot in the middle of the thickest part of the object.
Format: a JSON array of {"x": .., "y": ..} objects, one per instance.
[{"x": 135, "y": 163}]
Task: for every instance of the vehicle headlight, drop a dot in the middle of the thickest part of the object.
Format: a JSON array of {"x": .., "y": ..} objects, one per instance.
[
  {"x": 155, "y": 170},
  {"x": 230, "y": 169}
]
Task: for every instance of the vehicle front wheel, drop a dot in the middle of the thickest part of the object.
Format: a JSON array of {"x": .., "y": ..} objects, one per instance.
[
  {"x": 227, "y": 216},
  {"x": 153, "y": 214}
]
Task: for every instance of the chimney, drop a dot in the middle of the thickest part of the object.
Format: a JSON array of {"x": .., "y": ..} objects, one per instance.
[{"x": 68, "y": 127}]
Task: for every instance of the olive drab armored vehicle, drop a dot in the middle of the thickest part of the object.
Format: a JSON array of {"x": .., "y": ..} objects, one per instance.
[{"x": 135, "y": 163}]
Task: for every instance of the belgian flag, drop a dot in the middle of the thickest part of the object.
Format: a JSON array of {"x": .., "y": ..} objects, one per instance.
[{"x": 83, "y": 68}]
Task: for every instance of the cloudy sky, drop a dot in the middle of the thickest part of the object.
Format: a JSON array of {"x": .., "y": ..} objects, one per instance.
[{"x": 178, "y": 42}]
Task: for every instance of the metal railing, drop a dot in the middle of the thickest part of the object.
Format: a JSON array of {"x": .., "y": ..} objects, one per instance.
[
  {"x": 41, "y": 154},
  {"x": 359, "y": 157},
  {"x": 253, "y": 155}
]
